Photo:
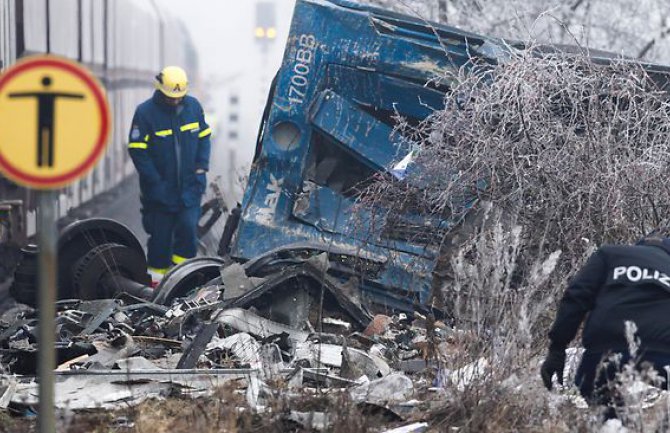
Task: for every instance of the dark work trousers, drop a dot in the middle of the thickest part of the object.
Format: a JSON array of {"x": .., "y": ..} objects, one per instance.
[
  {"x": 595, "y": 379},
  {"x": 170, "y": 234}
]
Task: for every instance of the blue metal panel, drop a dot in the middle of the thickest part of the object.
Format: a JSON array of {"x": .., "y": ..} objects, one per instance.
[
  {"x": 384, "y": 92},
  {"x": 327, "y": 211},
  {"x": 370, "y": 140},
  {"x": 323, "y": 209},
  {"x": 347, "y": 70}
]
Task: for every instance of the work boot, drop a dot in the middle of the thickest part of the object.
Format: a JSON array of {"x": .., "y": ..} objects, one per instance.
[{"x": 156, "y": 276}]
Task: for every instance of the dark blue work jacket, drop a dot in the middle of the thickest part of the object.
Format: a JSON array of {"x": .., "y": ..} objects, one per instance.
[{"x": 167, "y": 145}]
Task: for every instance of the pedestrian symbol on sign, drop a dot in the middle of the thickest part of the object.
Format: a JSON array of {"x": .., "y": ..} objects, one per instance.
[
  {"x": 45, "y": 119},
  {"x": 54, "y": 122}
]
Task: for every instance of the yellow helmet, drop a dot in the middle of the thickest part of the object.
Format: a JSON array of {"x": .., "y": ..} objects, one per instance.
[{"x": 172, "y": 81}]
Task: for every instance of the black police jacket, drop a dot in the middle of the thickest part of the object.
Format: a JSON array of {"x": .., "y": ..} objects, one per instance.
[{"x": 619, "y": 283}]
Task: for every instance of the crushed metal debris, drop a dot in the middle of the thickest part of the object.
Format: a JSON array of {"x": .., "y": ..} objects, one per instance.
[{"x": 116, "y": 353}]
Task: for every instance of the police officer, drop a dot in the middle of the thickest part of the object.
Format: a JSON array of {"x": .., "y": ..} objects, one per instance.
[
  {"x": 618, "y": 284},
  {"x": 170, "y": 147}
]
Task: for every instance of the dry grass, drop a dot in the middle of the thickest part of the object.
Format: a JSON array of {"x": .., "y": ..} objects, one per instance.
[{"x": 225, "y": 412}]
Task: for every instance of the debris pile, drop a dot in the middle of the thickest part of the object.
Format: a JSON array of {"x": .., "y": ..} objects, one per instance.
[{"x": 268, "y": 331}]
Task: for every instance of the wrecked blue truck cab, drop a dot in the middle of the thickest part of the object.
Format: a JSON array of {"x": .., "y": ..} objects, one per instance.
[
  {"x": 347, "y": 72},
  {"x": 328, "y": 131}
]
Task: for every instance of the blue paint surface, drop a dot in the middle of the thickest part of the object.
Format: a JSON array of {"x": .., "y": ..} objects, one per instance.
[{"x": 347, "y": 71}]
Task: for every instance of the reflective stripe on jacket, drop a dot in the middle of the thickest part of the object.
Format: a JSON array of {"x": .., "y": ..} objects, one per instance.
[{"x": 167, "y": 145}]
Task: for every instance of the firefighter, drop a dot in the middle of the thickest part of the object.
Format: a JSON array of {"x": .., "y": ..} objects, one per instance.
[
  {"x": 170, "y": 147},
  {"x": 618, "y": 284}
]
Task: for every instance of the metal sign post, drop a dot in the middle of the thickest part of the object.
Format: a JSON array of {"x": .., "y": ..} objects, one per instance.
[
  {"x": 66, "y": 107},
  {"x": 47, "y": 238}
]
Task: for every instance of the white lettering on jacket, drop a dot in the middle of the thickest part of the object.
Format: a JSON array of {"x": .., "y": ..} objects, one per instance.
[{"x": 636, "y": 274}]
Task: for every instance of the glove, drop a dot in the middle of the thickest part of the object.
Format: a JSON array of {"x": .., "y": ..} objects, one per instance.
[{"x": 554, "y": 363}]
